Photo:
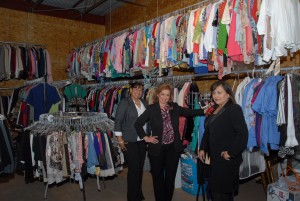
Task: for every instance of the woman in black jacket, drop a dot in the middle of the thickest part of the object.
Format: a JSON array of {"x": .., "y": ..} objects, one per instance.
[
  {"x": 224, "y": 139},
  {"x": 164, "y": 144},
  {"x": 133, "y": 147}
]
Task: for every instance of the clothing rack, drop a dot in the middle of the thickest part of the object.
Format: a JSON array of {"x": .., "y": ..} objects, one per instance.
[
  {"x": 7, "y": 88},
  {"x": 101, "y": 84},
  {"x": 160, "y": 18},
  {"x": 61, "y": 82},
  {"x": 206, "y": 96},
  {"x": 180, "y": 78},
  {"x": 82, "y": 118},
  {"x": 38, "y": 80},
  {"x": 20, "y": 43},
  {"x": 191, "y": 76},
  {"x": 72, "y": 119}
]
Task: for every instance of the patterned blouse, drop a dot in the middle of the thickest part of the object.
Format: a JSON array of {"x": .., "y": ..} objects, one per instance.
[{"x": 168, "y": 132}]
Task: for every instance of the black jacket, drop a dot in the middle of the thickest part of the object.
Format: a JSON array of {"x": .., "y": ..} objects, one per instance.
[
  {"x": 227, "y": 132},
  {"x": 153, "y": 115}
]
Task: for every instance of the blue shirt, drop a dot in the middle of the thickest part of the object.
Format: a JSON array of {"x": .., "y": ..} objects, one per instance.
[
  {"x": 266, "y": 104},
  {"x": 42, "y": 97}
]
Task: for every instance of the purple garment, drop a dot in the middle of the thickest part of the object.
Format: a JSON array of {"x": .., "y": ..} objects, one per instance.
[{"x": 168, "y": 132}]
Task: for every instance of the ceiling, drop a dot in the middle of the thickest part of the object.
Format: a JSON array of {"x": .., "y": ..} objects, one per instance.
[{"x": 92, "y": 11}]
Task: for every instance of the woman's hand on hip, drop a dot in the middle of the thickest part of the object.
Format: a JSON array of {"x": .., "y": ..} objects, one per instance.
[
  {"x": 225, "y": 155},
  {"x": 121, "y": 144},
  {"x": 201, "y": 155},
  {"x": 151, "y": 139}
]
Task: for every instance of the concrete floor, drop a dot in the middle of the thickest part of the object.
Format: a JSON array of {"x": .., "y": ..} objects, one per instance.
[{"x": 15, "y": 189}]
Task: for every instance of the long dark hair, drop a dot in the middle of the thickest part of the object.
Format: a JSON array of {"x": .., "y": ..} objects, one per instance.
[{"x": 226, "y": 88}]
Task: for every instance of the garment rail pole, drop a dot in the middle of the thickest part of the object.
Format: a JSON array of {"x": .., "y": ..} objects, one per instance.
[
  {"x": 185, "y": 77},
  {"x": 20, "y": 43},
  {"x": 217, "y": 73},
  {"x": 38, "y": 80},
  {"x": 46, "y": 191},
  {"x": 7, "y": 88}
]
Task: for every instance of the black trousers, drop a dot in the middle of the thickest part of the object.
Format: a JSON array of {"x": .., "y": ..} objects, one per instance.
[
  {"x": 135, "y": 156},
  {"x": 163, "y": 170},
  {"x": 216, "y": 196}
]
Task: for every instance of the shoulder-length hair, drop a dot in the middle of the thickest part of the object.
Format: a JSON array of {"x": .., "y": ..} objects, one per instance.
[{"x": 160, "y": 88}]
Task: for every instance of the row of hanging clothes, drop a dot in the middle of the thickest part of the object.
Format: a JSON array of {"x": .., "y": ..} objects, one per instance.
[
  {"x": 5, "y": 94},
  {"x": 105, "y": 98},
  {"x": 70, "y": 145},
  {"x": 7, "y": 161},
  {"x": 37, "y": 97},
  {"x": 210, "y": 37},
  {"x": 34, "y": 98},
  {"x": 271, "y": 109},
  {"x": 270, "y": 105},
  {"x": 24, "y": 61}
]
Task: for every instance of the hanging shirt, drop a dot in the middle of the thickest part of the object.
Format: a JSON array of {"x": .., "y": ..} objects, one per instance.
[{"x": 42, "y": 103}]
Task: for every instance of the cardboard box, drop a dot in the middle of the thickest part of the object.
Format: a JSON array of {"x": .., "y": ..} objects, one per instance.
[{"x": 277, "y": 192}]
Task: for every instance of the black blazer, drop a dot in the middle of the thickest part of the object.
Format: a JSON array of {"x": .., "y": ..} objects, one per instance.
[
  {"x": 227, "y": 132},
  {"x": 126, "y": 116},
  {"x": 153, "y": 115}
]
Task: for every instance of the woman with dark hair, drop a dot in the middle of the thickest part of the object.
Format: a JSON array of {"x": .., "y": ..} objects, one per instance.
[
  {"x": 224, "y": 140},
  {"x": 164, "y": 143},
  {"x": 133, "y": 147}
]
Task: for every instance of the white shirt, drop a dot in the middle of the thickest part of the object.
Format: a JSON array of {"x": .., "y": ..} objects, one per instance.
[{"x": 140, "y": 111}]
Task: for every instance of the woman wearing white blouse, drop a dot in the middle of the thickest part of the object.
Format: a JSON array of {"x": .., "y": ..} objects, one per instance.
[{"x": 134, "y": 148}]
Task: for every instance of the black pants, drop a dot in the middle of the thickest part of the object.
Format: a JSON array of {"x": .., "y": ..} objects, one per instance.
[
  {"x": 135, "y": 156},
  {"x": 216, "y": 196},
  {"x": 163, "y": 170}
]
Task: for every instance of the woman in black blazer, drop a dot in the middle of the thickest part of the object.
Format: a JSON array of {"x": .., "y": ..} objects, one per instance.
[
  {"x": 164, "y": 143},
  {"x": 224, "y": 139},
  {"x": 133, "y": 147}
]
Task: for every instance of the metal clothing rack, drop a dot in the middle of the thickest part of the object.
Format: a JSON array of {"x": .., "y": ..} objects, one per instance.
[
  {"x": 26, "y": 83},
  {"x": 109, "y": 83},
  {"x": 206, "y": 96},
  {"x": 75, "y": 118},
  {"x": 20, "y": 43},
  {"x": 35, "y": 81},
  {"x": 79, "y": 118},
  {"x": 7, "y": 88},
  {"x": 190, "y": 77}
]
